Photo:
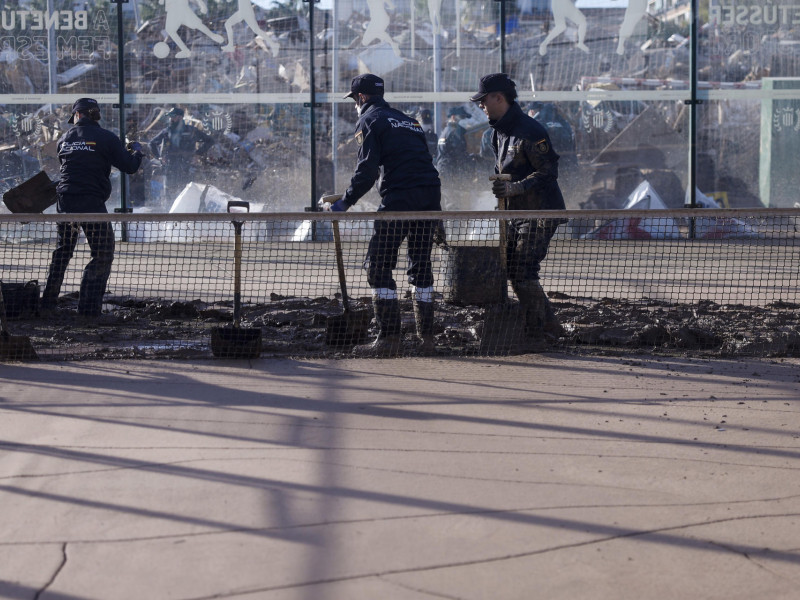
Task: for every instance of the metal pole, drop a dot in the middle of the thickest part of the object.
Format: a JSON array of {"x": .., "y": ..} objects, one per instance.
[
  {"x": 437, "y": 80},
  {"x": 52, "y": 82},
  {"x": 312, "y": 104},
  {"x": 502, "y": 35},
  {"x": 693, "y": 102},
  {"x": 334, "y": 88},
  {"x": 123, "y": 178}
]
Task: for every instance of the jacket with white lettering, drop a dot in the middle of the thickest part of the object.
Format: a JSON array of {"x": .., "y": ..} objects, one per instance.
[
  {"x": 390, "y": 139},
  {"x": 86, "y": 153},
  {"x": 524, "y": 151}
]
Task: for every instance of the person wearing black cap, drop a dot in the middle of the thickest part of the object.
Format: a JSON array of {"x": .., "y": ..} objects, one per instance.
[
  {"x": 523, "y": 150},
  {"x": 86, "y": 153},
  {"x": 425, "y": 119},
  {"x": 394, "y": 143},
  {"x": 453, "y": 161},
  {"x": 177, "y": 144}
]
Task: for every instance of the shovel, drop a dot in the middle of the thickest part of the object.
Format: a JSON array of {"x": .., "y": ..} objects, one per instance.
[
  {"x": 350, "y": 327},
  {"x": 502, "y": 333},
  {"x": 235, "y": 341},
  {"x": 13, "y": 347}
]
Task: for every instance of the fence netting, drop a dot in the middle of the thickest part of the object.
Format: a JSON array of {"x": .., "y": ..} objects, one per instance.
[{"x": 712, "y": 282}]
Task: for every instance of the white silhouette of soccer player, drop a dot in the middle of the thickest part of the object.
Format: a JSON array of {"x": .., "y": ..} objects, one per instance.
[
  {"x": 634, "y": 12},
  {"x": 563, "y": 10},
  {"x": 180, "y": 13},
  {"x": 246, "y": 13},
  {"x": 379, "y": 22},
  {"x": 435, "y": 13}
]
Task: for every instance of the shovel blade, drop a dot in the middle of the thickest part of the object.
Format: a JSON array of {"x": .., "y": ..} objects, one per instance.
[
  {"x": 503, "y": 330},
  {"x": 347, "y": 329},
  {"x": 236, "y": 342},
  {"x": 16, "y": 347}
]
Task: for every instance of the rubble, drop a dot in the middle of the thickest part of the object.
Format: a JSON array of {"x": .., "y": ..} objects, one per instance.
[{"x": 295, "y": 326}]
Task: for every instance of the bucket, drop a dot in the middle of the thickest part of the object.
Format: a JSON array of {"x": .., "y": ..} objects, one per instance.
[{"x": 472, "y": 275}]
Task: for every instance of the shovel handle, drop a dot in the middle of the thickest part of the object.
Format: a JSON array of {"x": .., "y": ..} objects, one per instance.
[
  {"x": 237, "y": 261},
  {"x": 337, "y": 243},
  {"x": 501, "y": 225},
  {"x": 238, "y": 204},
  {"x": 4, "y": 329}
]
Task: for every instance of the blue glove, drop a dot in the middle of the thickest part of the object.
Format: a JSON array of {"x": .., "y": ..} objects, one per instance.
[
  {"x": 339, "y": 206},
  {"x": 134, "y": 147}
]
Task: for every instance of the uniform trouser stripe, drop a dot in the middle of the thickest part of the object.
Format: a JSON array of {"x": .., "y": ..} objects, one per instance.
[
  {"x": 384, "y": 294},
  {"x": 423, "y": 294}
]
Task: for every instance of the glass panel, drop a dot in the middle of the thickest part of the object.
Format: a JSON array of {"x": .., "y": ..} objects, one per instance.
[
  {"x": 749, "y": 61},
  {"x": 51, "y": 53},
  {"x": 615, "y": 72}
]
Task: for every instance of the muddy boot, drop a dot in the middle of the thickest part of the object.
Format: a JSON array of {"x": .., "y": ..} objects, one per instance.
[
  {"x": 423, "y": 316},
  {"x": 389, "y": 340},
  {"x": 534, "y": 307},
  {"x": 552, "y": 326}
]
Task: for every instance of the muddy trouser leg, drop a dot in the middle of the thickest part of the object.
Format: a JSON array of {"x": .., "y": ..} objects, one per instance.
[
  {"x": 67, "y": 239},
  {"x": 380, "y": 263},
  {"x": 528, "y": 244},
  {"x": 100, "y": 237},
  {"x": 420, "y": 276}
]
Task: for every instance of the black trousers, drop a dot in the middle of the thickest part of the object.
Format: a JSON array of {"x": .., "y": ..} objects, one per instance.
[
  {"x": 100, "y": 237},
  {"x": 527, "y": 242},
  {"x": 388, "y": 236}
]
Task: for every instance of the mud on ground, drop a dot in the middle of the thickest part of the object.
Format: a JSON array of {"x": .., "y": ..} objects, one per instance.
[{"x": 296, "y": 327}]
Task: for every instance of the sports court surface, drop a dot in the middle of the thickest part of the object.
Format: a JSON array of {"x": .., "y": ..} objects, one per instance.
[{"x": 539, "y": 476}]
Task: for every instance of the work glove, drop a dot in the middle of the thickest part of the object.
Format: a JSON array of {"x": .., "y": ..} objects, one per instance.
[
  {"x": 134, "y": 147},
  {"x": 439, "y": 234},
  {"x": 333, "y": 203},
  {"x": 339, "y": 206},
  {"x": 506, "y": 189}
]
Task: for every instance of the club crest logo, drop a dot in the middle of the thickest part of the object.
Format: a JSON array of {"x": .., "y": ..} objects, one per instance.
[
  {"x": 598, "y": 118},
  {"x": 787, "y": 118},
  {"x": 217, "y": 122},
  {"x": 26, "y": 125}
]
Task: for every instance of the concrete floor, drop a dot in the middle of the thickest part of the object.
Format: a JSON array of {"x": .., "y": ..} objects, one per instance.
[{"x": 541, "y": 476}]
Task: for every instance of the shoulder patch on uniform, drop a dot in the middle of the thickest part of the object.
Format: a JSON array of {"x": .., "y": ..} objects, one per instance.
[
  {"x": 542, "y": 146},
  {"x": 360, "y": 137}
]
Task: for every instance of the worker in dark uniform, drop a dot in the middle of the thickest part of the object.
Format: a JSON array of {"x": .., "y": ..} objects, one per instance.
[
  {"x": 425, "y": 119},
  {"x": 86, "y": 153},
  {"x": 453, "y": 161},
  {"x": 523, "y": 150},
  {"x": 176, "y": 145},
  {"x": 394, "y": 142}
]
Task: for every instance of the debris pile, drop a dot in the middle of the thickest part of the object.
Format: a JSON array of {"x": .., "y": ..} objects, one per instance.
[{"x": 295, "y": 326}]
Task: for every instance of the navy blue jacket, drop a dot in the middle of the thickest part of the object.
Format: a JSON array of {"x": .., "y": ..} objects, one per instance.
[
  {"x": 390, "y": 139},
  {"x": 178, "y": 145},
  {"x": 524, "y": 151},
  {"x": 86, "y": 153}
]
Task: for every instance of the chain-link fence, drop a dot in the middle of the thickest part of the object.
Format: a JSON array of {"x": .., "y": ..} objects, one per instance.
[{"x": 721, "y": 282}]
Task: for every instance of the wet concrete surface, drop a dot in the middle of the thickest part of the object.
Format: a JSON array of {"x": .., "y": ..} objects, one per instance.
[{"x": 541, "y": 476}]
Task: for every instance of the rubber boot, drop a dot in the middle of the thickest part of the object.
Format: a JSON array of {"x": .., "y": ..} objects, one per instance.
[
  {"x": 552, "y": 326},
  {"x": 423, "y": 317},
  {"x": 389, "y": 340},
  {"x": 534, "y": 305}
]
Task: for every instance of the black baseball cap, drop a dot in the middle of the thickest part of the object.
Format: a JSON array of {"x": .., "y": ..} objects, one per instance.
[
  {"x": 458, "y": 111},
  {"x": 83, "y": 105},
  {"x": 495, "y": 82},
  {"x": 176, "y": 111},
  {"x": 368, "y": 83}
]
